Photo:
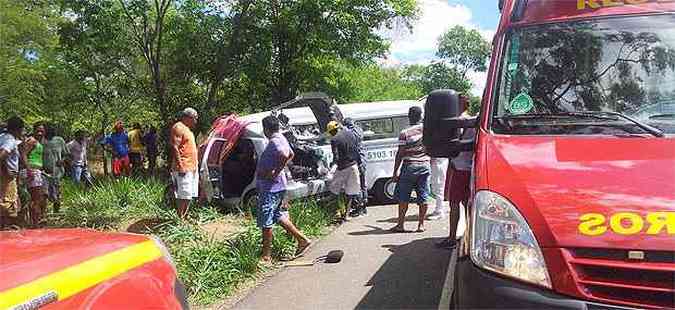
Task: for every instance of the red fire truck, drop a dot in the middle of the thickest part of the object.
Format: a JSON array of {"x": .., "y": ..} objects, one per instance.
[
  {"x": 86, "y": 269},
  {"x": 573, "y": 183}
]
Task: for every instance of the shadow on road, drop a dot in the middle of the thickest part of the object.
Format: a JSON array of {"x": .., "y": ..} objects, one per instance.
[
  {"x": 374, "y": 230},
  {"x": 412, "y": 278},
  {"x": 408, "y": 218}
]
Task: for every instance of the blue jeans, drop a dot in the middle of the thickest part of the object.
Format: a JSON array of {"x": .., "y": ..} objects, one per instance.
[
  {"x": 269, "y": 208},
  {"x": 414, "y": 176},
  {"x": 79, "y": 173}
]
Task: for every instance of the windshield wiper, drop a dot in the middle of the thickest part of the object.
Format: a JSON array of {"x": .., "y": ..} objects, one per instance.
[
  {"x": 556, "y": 115},
  {"x": 671, "y": 115},
  {"x": 590, "y": 114},
  {"x": 652, "y": 130}
]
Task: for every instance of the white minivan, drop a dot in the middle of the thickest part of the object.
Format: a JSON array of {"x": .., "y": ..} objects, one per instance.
[{"x": 233, "y": 176}]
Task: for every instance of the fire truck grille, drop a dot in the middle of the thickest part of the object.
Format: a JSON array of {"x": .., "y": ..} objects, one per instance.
[{"x": 609, "y": 276}]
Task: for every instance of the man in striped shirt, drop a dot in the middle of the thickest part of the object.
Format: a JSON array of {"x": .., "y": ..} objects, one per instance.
[{"x": 414, "y": 162}]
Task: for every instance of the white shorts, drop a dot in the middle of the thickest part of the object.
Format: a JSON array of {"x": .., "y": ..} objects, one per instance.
[
  {"x": 187, "y": 185},
  {"x": 346, "y": 180}
]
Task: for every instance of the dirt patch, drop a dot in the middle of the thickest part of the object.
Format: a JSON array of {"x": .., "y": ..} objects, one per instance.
[
  {"x": 224, "y": 227},
  {"x": 144, "y": 226}
]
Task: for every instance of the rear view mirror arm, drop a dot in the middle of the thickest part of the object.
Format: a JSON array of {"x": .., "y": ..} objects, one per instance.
[
  {"x": 466, "y": 145},
  {"x": 457, "y": 123}
]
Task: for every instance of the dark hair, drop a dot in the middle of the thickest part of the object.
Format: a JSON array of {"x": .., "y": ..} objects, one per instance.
[
  {"x": 15, "y": 123},
  {"x": 271, "y": 123},
  {"x": 37, "y": 125},
  {"x": 50, "y": 131},
  {"x": 415, "y": 115},
  {"x": 137, "y": 126}
]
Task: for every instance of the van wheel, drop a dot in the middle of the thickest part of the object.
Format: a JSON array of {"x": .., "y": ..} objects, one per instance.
[{"x": 384, "y": 191}]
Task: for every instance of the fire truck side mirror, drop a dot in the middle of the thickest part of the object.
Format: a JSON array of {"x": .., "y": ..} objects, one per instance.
[{"x": 442, "y": 124}]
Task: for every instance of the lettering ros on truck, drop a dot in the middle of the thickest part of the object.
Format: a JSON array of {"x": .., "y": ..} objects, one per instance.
[{"x": 627, "y": 223}]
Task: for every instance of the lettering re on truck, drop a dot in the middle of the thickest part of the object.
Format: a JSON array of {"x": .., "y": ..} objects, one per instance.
[
  {"x": 627, "y": 223},
  {"x": 597, "y": 4}
]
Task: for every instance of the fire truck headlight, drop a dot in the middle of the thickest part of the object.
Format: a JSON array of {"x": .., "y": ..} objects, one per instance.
[{"x": 502, "y": 241}]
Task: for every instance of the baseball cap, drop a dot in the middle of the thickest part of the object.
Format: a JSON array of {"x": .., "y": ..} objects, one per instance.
[{"x": 332, "y": 127}]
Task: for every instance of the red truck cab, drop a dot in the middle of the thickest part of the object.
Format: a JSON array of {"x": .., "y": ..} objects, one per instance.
[
  {"x": 573, "y": 183},
  {"x": 86, "y": 269}
]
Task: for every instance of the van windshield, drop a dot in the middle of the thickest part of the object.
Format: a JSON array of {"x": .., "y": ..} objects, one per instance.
[{"x": 613, "y": 76}]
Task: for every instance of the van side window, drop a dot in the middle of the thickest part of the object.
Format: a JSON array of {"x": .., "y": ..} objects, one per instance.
[
  {"x": 400, "y": 123},
  {"x": 381, "y": 128}
]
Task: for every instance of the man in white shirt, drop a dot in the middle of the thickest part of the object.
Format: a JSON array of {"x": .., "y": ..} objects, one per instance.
[
  {"x": 439, "y": 171},
  {"x": 78, "y": 158},
  {"x": 9, "y": 170}
]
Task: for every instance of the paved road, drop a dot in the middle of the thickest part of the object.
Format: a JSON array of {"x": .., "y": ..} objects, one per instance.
[{"x": 380, "y": 270}]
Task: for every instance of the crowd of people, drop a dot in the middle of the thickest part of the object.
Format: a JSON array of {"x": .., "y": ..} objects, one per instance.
[
  {"x": 414, "y": 171},
  {"x": 37, "y": 162},
  {"x": 130, "y": 150},
  {"x": 40, "y": 160}
]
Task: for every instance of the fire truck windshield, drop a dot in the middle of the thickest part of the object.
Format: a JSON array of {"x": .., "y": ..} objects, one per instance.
[{"x": 555, "y": 78}]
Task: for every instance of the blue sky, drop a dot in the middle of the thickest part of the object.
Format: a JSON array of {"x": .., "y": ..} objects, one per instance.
[
  {"x": 485, "y": 12},
  {"x": 437, "y": 16}
]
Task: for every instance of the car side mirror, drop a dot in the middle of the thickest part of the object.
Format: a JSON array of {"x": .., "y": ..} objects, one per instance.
[{"x": 442, "y": 124}]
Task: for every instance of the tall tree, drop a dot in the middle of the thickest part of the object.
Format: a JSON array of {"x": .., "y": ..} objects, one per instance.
[
  {"x": 27, "y": 41},
  {"x": 464, "y": 49},
  {"x": 437, "y": 75},
  {"x": 305, "y": 30},
  {"x": 146, "y": 20}
]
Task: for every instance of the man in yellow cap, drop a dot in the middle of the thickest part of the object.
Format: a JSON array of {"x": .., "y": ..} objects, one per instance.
[{"x": 345, "y": 156}]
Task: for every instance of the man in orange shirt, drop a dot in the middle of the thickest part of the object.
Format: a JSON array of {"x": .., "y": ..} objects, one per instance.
[{"x": 184, "y": 171}]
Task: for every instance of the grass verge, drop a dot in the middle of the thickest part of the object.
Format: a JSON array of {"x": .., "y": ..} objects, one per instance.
[{"x": 211, "y": 268}]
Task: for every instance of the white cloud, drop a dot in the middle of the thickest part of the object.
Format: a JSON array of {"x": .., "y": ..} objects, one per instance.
[
  {"x": 419, "y": 46},
  {"x": 436, "y": 17}
]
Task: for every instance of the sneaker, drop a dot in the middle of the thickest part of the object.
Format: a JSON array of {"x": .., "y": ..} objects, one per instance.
[
  {"x": 363, "y": 211},
  {"x": 354, "y": 213}
]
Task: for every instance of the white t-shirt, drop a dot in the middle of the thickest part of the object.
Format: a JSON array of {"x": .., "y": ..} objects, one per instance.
[
  {"x": 464, "y": 160},
  {"x": 11, "y": 145},
  {"x": 78, "y": 152}
]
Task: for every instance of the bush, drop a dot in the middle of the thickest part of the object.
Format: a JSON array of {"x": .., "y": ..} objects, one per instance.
[{"x": 109, "y": 204}]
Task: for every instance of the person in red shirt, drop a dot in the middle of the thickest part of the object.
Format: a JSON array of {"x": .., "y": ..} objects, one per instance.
[{"x": 458, "y": 180}]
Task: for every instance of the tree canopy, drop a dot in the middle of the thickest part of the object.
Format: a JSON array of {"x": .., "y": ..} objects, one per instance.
[
  {"x": 84, "y": 63},
  {"x": 464, "y": 49}
]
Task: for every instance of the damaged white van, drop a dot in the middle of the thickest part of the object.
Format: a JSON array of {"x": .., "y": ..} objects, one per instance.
[
  {"x": 235, "y": 143},
  {"x": 229, "y": 156}
]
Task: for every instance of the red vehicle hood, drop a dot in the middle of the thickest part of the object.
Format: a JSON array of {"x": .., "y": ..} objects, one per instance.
[
  {"x": 30, "y": 254},
  {"x": 554, "y": 181}
]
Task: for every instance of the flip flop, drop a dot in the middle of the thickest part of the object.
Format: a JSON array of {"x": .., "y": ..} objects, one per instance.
[{"x": 300, "y": 252}]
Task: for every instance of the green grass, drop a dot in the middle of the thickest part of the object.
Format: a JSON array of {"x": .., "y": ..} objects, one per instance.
[{"x": 211, "y": 269}]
